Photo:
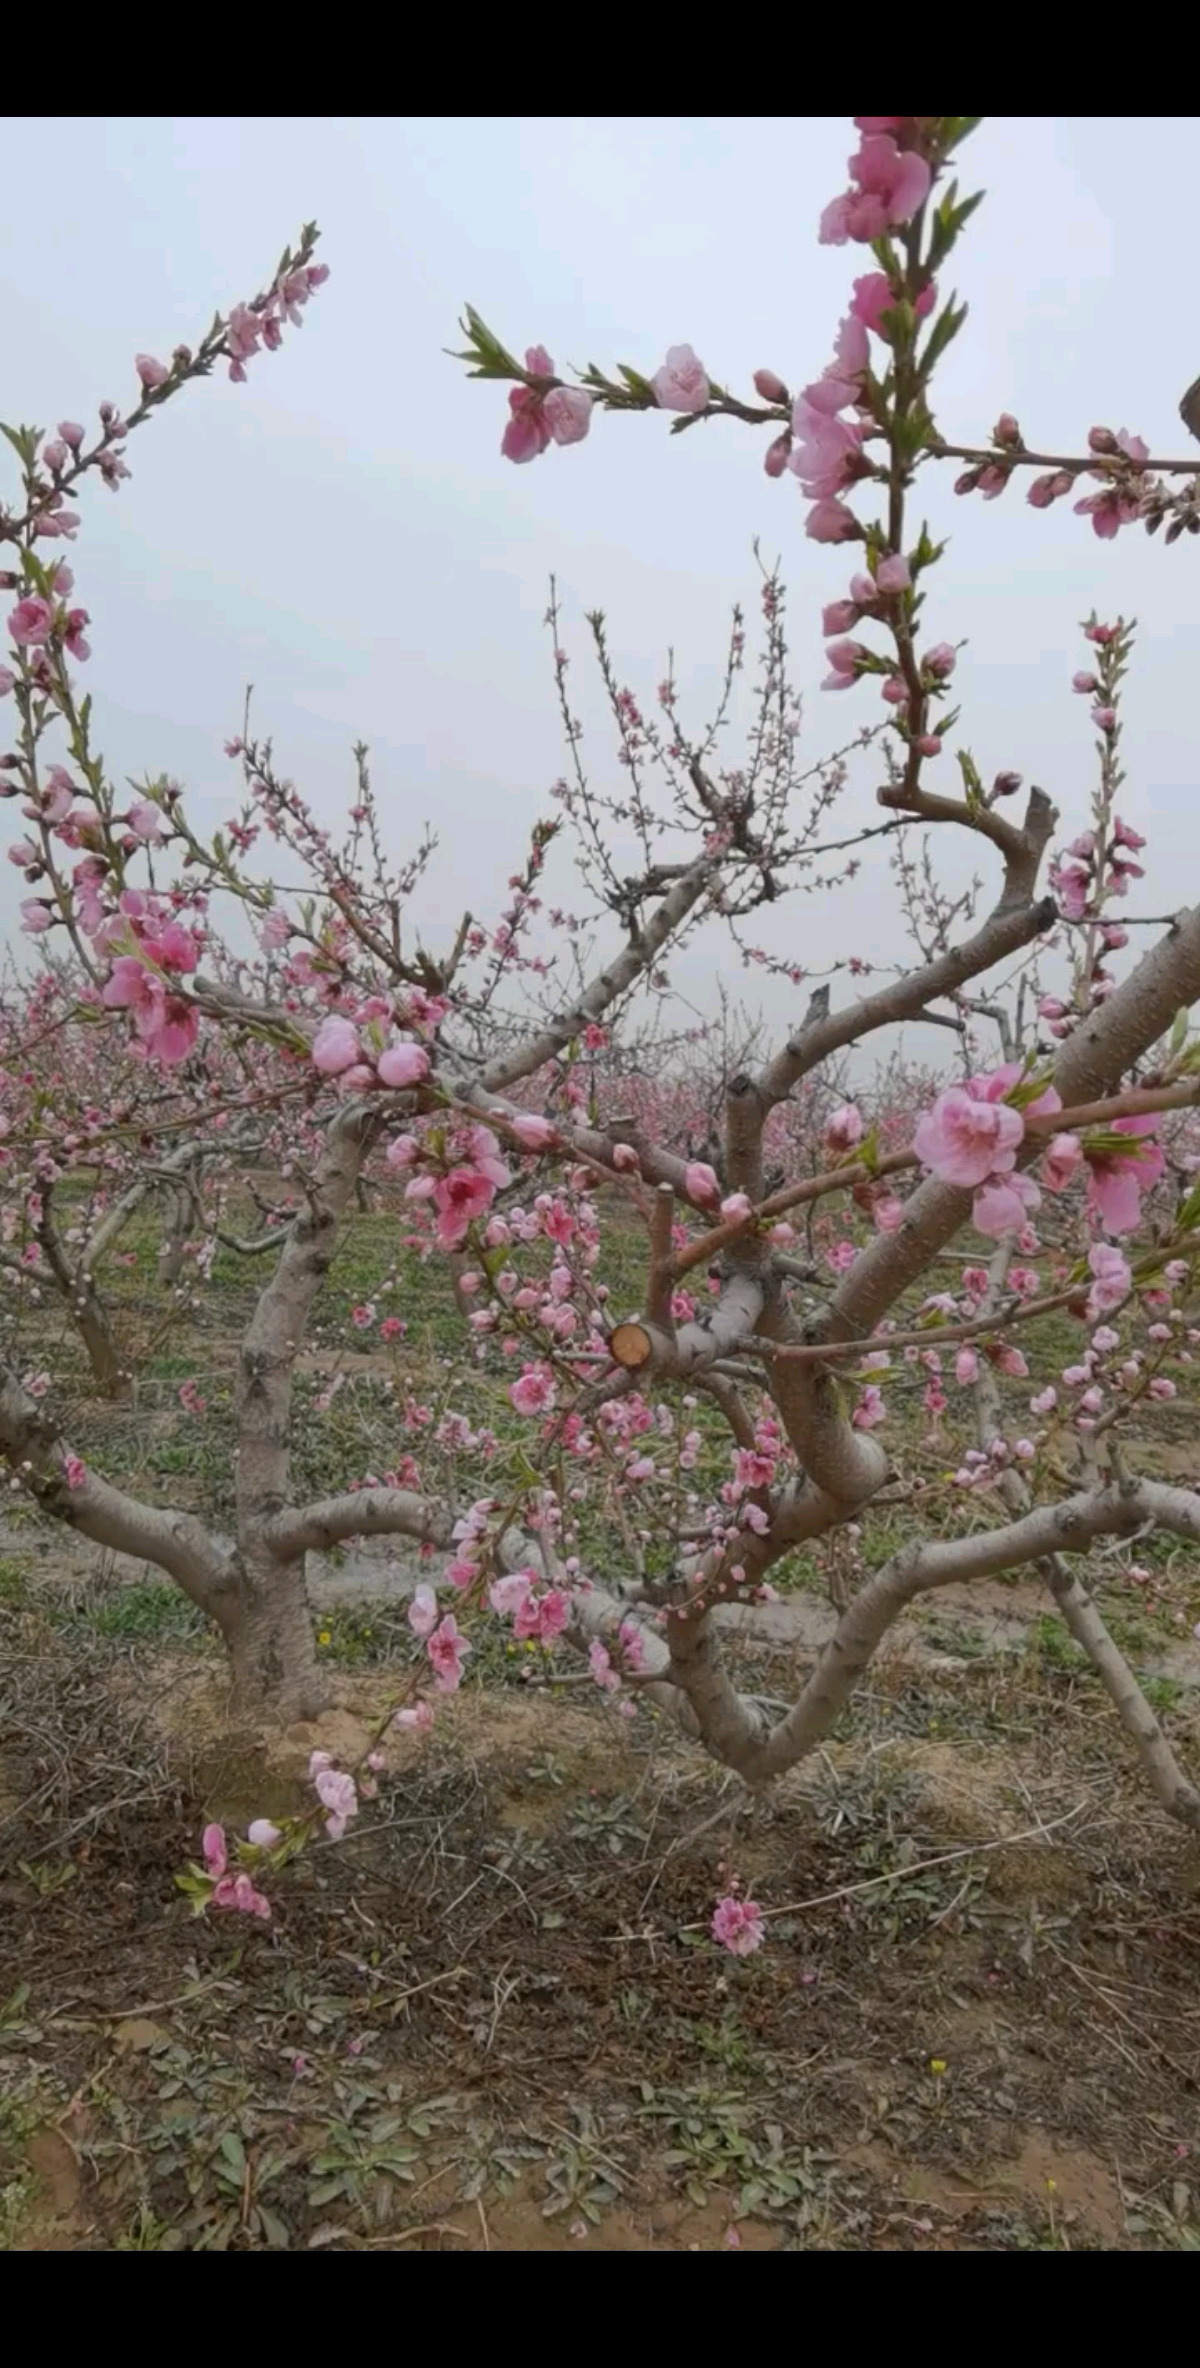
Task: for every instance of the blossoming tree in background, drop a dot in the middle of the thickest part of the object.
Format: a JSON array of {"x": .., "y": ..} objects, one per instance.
[{"x": 669, "y": 1457}]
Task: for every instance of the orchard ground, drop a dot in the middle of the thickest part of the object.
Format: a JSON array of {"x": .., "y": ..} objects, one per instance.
[{"x": 493, "y": 2016}]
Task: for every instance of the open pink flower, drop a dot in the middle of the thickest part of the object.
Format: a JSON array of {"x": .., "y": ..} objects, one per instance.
[
  {"x": 417, "y": 1715},
  {"x": 238, "y": 1892},
  {"x": 828, "y": 457},
  {"x": 541, "y": 1617},
  {"x": 534, "y": 1392},
  {"x": 423, "y": 1612},
  {"x": 1062, "y": 1158},
  {"x": 31, "y": 622},
  {"x": 506, "y": 1595},
  {"x": 167, "y": 1025},
  {"x": 1002, "y": 1204},
  {"x": 464, "y": 1194},
  {"x": 568, "y": 413},
  {"x": 600, "y": 1664},
  {"x": 844, "y": 1129},
  {"x": 528, "y": 431},
  {"x": 737, "y": 1925},
  {"x": 874, "y": 295},
  {"x": 964, "y": 1139},
  {"x": 889, "y": 186},
  {"x": 446, "y": 1648},
  {"x": 1112, "y": 1280},
  {"x": 336, "y": 1792},
  {"x": 681, "y": 384},
  {"x": 870, "y": 1409},
  {"x": 1117, "y": 1182}
]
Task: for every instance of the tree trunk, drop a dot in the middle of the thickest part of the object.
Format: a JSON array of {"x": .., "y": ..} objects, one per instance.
[
  {"x": 112, "y": 1378},
  {"x": 176, "y": 1222},
  {"x": 269, "y": 1636}
]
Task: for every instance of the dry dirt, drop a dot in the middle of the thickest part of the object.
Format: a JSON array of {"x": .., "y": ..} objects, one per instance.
[{"x": 493, "y": 2017}]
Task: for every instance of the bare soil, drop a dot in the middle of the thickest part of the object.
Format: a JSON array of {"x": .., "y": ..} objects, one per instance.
[{"x": 493, "y": 2018}]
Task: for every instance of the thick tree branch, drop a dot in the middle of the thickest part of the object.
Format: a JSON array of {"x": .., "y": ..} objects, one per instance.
[
  {"x": 33, "y": 1447},
  {"x": 361, "y": 1513}
]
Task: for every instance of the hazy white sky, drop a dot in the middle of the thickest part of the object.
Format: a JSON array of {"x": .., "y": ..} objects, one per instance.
[{"x": 343, "y": 532}]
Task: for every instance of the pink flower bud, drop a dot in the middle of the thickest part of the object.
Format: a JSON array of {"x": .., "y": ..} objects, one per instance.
[{"x": 770, "y": 386}]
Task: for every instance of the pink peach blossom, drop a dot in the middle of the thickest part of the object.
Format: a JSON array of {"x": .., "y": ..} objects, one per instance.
[
  {"x": 404, "y": 1064},
  {"x": 417, "y": 1715},
  {"x": 238, "y": 1892},
  {"x": 1112, "y": 1279},
  {"x": 1060, "y": 1162},
  {"x": 423, "y": 1611},
  {"x": 700, "y": 1182},
  {"x": 1116, "y": 1183},
  {"x": 568, "y": 413},
  {"x": 831, "y": 522},
  {"x": 528, "y": 432},
  {"x": 964, "y": 1140},
  {"x": 890, "y": 185},
  {"x": 844, "y": 1128},
  {"x": 532, "y": 1133},
  {"x": 334, "y": 1047},
  {"x": 31, "y": 622},
  {"x": 446, "y": 1648},
  {"x": 466, "y": 1193},
  {"x": 534, "y": 1392},
  {"x": 680, "y": 385},
  {"x": 737, "y": 1924}
]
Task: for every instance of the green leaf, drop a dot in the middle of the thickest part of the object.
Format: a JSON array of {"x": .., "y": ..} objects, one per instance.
[
  {"x": 972, "y": 783},
  {"x": 945, "y": 329},
  {"x": 638, "y": 385},
  {"x": 1030, "y": 1088}
]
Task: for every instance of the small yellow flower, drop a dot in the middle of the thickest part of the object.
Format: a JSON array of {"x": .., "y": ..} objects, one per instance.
[
  {"x": 324, "y": 1637},
  {"x": 937, "y": 2066}
]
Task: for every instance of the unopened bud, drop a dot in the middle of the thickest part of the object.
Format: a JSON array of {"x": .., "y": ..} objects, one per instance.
[
  {"x": 968, "y": 481},
  {"x": 1006, "y": 785},
  {"x": 1006, "y": 430},
  {"x": 770, "y": 386},
  {"x": 775, "y": 459},
  {"x": 1102, "y": 440}
]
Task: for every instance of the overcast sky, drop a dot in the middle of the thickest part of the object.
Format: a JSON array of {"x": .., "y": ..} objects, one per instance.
[{"x": 343, "y": 532}]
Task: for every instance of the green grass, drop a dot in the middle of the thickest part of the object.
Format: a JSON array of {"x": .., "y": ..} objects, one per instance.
[{"x": 149, "y": 1608}]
